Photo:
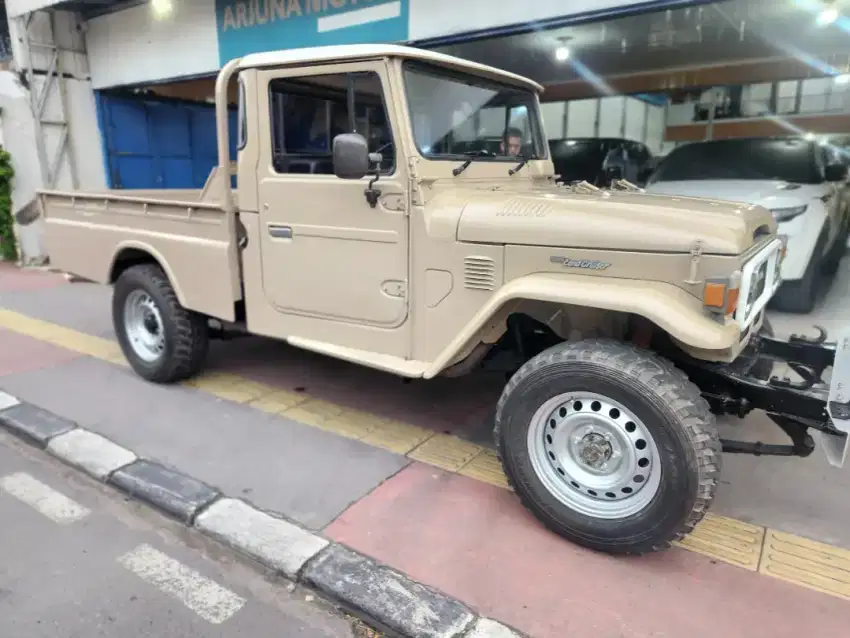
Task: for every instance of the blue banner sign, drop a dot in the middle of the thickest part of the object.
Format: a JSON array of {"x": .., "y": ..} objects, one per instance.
[{"x": 252, "y": 26}]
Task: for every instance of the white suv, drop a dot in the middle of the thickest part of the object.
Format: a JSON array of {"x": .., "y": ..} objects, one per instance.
[{"x": 801, "y": 181}]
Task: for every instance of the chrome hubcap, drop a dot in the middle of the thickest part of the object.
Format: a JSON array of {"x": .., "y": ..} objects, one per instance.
[
  {"x": 143, "y": 326},
  {"x": 594, "y": 455}
]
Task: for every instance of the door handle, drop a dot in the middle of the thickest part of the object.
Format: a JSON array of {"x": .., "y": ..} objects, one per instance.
[{"x": 280, "y": 232}]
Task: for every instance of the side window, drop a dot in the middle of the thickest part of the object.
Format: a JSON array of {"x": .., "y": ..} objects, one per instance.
[{"x": 306, "y": 114}]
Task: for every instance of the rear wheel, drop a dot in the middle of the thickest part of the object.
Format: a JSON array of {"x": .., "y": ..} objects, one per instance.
[
  {"x": 162, "y": 341},
  {"x": 609, "y": 446}
]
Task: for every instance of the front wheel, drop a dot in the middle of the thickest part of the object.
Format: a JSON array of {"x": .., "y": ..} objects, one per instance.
[
  {"x": 162, "y": 341},
  {"x": 609, "y": 446}
]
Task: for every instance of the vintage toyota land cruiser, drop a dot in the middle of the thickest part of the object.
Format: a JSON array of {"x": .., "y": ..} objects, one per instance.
[{"x": 397, "y": 208}]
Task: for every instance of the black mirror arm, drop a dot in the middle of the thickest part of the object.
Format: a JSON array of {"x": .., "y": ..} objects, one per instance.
[{"x": 373, "y": 194}]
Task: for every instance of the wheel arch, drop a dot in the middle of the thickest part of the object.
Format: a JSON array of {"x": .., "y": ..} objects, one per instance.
[
  {"x": 135, "y": 253},
  {"x": 669, "y": 308}
]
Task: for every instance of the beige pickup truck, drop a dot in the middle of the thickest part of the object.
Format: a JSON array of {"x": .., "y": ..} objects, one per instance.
[{"x": 397, "y": 208}]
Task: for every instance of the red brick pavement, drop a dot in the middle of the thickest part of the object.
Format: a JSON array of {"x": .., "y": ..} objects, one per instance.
[{"x": 475, "y": 541}]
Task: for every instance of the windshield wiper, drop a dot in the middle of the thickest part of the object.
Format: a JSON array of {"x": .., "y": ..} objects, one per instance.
[
  {"x": 472, "y": 156},
  {"x": 525, "y": 159}
]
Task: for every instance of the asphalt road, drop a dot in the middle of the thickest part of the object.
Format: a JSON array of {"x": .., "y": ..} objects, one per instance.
[{"x": 77, "y": 560}]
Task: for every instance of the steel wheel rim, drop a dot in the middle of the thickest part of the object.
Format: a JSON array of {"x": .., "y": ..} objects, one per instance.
[
  {"x": 594, "y": 455},
  {"x": 143, "y": 326}
]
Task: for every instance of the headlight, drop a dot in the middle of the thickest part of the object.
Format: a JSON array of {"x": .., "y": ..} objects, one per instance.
[{"x": 786, "y": 214}]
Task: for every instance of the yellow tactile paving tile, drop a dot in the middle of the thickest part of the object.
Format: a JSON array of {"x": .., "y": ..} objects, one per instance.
[
  {"x": 279, "y": 401},
  {"x": 728, "y": 540},
  {"x": 67, "y": 338},
  {"x": 797, "y": 560},
  {"x": 230, "y": 386},
  {"x": 791, "y": 558},
  {"x": 397, "y": 437},
  {"x": 486, "y": 467},
  {"x": 446, "y": 451}
]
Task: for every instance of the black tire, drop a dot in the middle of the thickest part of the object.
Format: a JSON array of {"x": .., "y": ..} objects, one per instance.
[
  {"x": 186, "y": 332},
  {"x": 832, "y": 261},
  {"x": 671, "y": 409},
  {"x": 800, "y": 296}
]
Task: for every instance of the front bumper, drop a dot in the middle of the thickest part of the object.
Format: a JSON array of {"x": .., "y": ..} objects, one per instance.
[{"x": 809, "y": 402}]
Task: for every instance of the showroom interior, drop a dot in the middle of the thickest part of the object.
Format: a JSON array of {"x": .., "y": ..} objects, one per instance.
[{"x": 121, "y": 93}]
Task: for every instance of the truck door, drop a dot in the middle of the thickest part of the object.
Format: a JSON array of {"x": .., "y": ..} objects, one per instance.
[{"x": 326, "y": 253}]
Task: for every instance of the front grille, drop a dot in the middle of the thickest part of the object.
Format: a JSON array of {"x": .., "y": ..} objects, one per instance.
[{"x": 759, "y": 282}]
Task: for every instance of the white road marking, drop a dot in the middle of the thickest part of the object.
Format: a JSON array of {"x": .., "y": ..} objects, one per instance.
[
  {"x": 210, "y": 601},
  {"x": 359, "y": 17},
  {"x": 55, "y": 506}
]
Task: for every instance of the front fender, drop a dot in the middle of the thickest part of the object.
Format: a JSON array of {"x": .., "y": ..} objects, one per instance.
[{"x": 670, "y": 308}]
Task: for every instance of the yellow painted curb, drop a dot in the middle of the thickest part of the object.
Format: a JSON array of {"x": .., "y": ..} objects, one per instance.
[{"x": 791, "y": 558}]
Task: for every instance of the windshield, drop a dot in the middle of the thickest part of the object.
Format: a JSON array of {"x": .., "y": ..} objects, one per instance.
[
  {"x": 457, "y": 115},
  {"x": 790, "y": 160}
]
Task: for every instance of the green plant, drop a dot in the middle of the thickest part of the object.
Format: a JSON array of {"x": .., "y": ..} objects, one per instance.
[{"x": 8, "y": 245}]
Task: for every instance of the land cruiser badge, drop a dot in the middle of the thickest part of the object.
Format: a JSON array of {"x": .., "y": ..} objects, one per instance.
[{"x": 588, "y": 264}]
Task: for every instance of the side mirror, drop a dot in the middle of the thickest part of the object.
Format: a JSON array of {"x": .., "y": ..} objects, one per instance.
[
  {"x": 835, "y": 173},
  {"x": 350, "y": 156}
]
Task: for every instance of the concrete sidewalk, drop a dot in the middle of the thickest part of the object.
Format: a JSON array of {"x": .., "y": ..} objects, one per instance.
[{"x": 392, "y": 489}]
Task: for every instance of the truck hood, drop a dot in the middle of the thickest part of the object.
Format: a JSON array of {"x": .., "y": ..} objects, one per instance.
[
  {"x": 767, "y": 193},
  {"x": 612, "y": 220}
]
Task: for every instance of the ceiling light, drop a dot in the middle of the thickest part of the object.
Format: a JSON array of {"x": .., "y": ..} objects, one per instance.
[
  {"x": 810, "y": 136},
  {"x": 562, "y": 54},
  {"x": 827, "y": 16},
  {"x": 162, "y": 8},
  {"x": 844, "y": 78}
]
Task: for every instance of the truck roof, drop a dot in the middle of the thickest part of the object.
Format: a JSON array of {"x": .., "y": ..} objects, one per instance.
[{"x": 362, "y": 51}]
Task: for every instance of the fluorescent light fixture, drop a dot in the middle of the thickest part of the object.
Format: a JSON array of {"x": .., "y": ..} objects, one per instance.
[
  {"x": 844, "y": 78},
  {"x": 162, "y": 8},
  {"x": 810, "y": 136},
  {"x": 827, "y": 16},
  {"x": 562, "y": 54}
]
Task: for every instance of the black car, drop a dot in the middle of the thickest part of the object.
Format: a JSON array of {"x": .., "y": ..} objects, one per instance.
[{"x": 598, "y": 160}]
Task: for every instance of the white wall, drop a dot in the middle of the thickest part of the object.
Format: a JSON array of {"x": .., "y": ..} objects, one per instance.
[
  {"x": 131, "y": 46},
  {"x": 436, "y": 18},
  {"x": 616, "y": 116},
  {"x": 18, "y": 121},
  {"x": 18, "y": 131}
]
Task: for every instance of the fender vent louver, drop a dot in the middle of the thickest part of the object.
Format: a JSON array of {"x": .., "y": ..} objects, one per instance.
[{"x": 479, "y": 273}]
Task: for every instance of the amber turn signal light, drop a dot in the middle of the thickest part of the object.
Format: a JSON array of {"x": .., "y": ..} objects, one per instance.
[{"x": 720, "y": 297}]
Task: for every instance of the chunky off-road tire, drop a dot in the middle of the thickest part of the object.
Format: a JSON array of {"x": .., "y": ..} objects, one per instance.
[
  {"x": 635, "y": 397},
  {"x": 182, "y": 348}
]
